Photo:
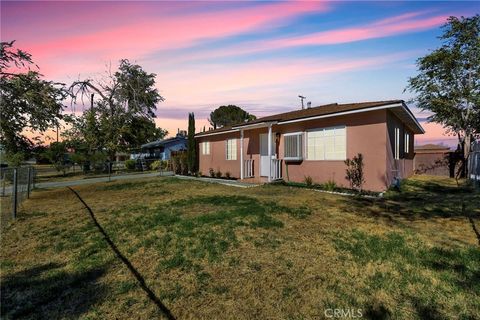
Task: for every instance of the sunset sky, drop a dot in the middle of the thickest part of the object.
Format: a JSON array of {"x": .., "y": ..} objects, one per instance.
[{"x": 257, "y": 55}]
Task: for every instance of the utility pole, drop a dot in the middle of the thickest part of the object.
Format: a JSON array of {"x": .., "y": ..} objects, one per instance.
[{"x": 302, "y": 98}]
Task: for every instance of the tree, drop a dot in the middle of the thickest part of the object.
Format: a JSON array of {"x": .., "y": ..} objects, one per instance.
[
  {"x": 229, "y": 115},
  {"x": 448, "y": 82},
  {"x": 191, "y": 149},
  {"x": 28, "y": 101},
  {"x": 57, "y": 154},
  {"x": 122, "y": 114},
  {"x": 354, "y": 172}
]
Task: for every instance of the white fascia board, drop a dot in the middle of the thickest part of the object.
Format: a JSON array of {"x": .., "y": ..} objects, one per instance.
[
  {"x": 206, "y": 134},
  {"x": 336, "y": 114},
  {"x": 255, "y": 125},
  {"x": 413, "y": 117}
]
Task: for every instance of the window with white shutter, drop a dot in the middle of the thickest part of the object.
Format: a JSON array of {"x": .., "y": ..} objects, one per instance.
[
  {"x": 327, "y": 144},
  {"x": 206, "y": 147},
  {"x": 231, "y": 149}
]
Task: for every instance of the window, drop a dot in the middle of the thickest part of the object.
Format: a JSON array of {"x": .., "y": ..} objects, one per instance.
[
  {"x": 293, "y": 146},
  {"x": 407, "y": 143},
  {"x": 231, "y": 149},
  {"x": 206, "y": 147},
  {"x": 397, "y": 143},
  {"x": 327, "y": 144}
]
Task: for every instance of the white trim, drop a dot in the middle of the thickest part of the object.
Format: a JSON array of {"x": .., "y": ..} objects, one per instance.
[
  {"x": 241, "y": 155},
  {"x": 215, "y": 133},
  {"x": 341, "y": 113},
  {"x": 396, "y": 154},
  {"x": 412, "y": 116},
  {"x": 292, "y": 133},
  {"x": 263, "y": 124}
]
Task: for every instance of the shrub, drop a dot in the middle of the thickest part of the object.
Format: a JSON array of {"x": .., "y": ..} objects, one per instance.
[
  {"x": 156, "y": 165},
  {"x": 330, "y": 185},
  {"x": 179, "y": 162},
  {"x": 218, "y": 174},
  {"x": 308, "y": 181},
  {"x": 354, "y": 172},
  {"x": 227, "y": 175},
  {"x": 130, "y": 164},
  {"x": 211, "y": 172}
]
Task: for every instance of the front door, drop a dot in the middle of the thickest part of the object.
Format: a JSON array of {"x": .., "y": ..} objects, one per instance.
[{"x": 264, "y": 153}]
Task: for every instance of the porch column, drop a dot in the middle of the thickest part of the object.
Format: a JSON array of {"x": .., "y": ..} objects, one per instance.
[
  {"x": 241, "y": 155},
  {"x": 270, "y": 152}
]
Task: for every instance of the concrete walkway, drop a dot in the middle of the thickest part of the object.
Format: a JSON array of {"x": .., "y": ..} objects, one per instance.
[{"x": 232, "y": 183}]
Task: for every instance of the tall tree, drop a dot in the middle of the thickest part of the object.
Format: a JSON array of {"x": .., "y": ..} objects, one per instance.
[
  {"x": 28, "y": 103},
  {"x": 191, "y": 148},
  {"x": 229, "y": 115},
  {"x": 123, "y": 110},
  {"x": 448, "y": 81}
]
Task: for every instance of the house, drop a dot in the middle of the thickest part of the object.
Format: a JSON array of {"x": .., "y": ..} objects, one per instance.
[
  {"x": 162, "y": 149},
  {"x": 315, "y": 142},
  {"x": 433, "y": 159}
]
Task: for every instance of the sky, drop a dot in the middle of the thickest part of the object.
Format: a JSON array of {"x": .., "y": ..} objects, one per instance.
[{"x": 257, "y": 55}]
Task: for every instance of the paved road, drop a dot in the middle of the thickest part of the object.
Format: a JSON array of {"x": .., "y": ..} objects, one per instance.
[{"x": 71, "y": 183}]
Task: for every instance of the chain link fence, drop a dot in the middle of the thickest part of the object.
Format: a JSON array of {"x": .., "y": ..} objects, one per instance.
[{"x": 16, "y": 185}]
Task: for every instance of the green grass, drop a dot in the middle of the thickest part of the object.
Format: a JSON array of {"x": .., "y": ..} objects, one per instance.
[{"x": 211, "y": 251}]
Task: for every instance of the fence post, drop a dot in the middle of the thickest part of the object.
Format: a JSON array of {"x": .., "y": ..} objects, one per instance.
[
  {"x": 29, "y": 182},
  {"x": 14, "y": 193}
]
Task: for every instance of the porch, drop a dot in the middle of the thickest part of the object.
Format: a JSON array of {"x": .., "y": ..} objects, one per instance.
[{"x": 269, "y": 166}]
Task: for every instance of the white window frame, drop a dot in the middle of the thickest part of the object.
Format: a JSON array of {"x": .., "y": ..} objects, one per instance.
[
  {"x": 300, "y": 144},
  {"x": 229, "y": 154},
  {"x": 397, "y": 144},
  {"x": 406, "y": 143},
  {"x": 206, "y": 148},
  {"x": 324, "y": 129}
]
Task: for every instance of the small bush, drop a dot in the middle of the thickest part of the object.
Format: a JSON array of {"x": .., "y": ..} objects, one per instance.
[
  {"x": 218, "y": 174},
  {"x": 308, "y": 181},
  {"x": 156, "y": 165},
  {"x": 227, "y": 175},
  {"x": 130, "y": 164},
  {"x": 330, "y": 185},
  {"x": 354, "y": 172},
  {"x": 211, "y": 172}
]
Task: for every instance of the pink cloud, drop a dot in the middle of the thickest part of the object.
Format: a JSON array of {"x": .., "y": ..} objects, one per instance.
[
  {"x": 401, "y": 24},
  {"x": 383, "y": 28},
  {"x": 166, "y": 31}
]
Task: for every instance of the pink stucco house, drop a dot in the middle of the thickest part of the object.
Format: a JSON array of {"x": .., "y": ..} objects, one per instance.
[{"x": 315, "y": 142}]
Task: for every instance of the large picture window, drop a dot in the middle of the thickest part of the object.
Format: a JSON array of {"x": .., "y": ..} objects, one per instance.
[
  {"x": 231, "y": 149},
  {"x": 327, "y": 144},
  {"x": 293, "y": 146},
  {"x": 206, "y": 147},
  {"x": 397, "y": 144}
]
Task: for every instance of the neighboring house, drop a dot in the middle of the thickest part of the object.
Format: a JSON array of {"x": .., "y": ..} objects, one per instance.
[
  {"x": 162, "y": 149},
  {"x": 315, "y": 142},
  {"x": 433, "y": 159}
]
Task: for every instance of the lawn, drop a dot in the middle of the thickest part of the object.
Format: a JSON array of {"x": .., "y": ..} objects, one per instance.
[{"x": 270, "y": 252}]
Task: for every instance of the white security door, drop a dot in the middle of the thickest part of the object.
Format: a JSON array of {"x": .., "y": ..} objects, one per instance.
[{"x": 264, "y": 153}]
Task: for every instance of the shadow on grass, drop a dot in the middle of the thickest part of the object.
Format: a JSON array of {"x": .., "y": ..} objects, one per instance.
[
  {"x": 420, "y": 200},
  {"x": 46, "y": 291}
]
